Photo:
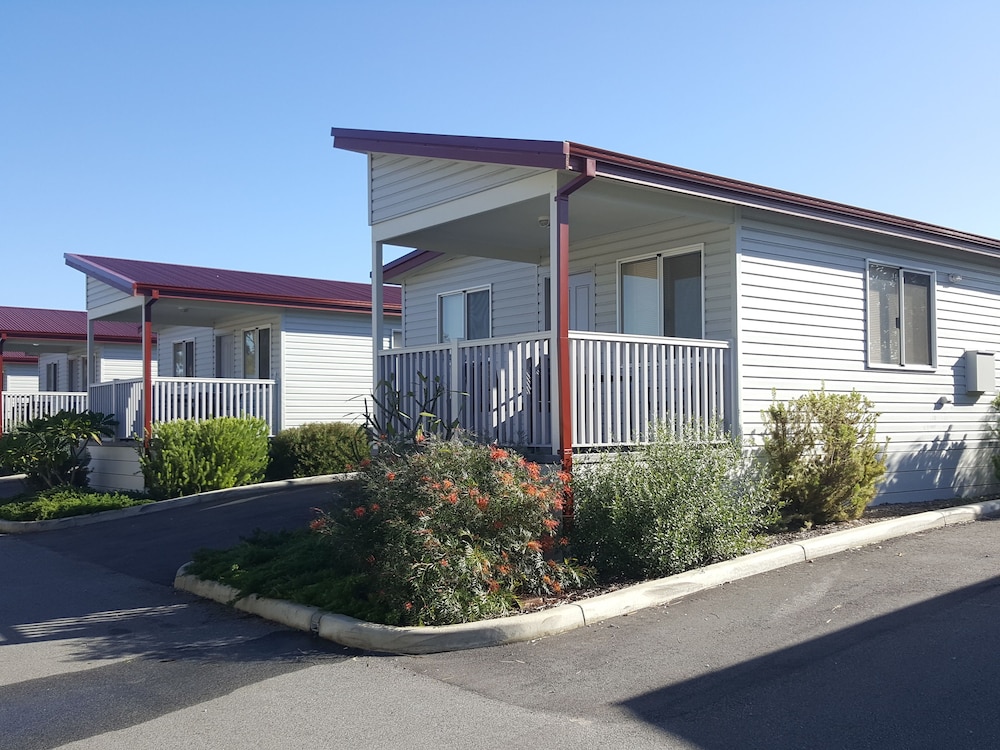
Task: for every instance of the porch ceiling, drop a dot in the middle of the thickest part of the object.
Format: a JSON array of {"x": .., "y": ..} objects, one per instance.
[
  {"x": 189, "y": 312},
  {"x": 513, "y": 232}
]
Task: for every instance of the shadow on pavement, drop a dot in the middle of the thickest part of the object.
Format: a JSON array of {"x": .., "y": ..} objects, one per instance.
[{"x": 923, "y": 676}]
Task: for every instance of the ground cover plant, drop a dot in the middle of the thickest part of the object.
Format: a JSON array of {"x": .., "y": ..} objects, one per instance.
[
  {"x": 673, "y": 505},
  {"x": 66, "y": 501},
  {"x": 825, "y": 456}
]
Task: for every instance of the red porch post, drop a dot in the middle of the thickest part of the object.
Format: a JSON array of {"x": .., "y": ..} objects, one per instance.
[
  {"x": 3, "y": 340},
  {"x": 561, "y": 274},
  {"x": 147, "y": 367}
]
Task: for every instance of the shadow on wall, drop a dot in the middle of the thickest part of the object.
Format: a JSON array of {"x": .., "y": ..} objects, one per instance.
[{"x": 923, "y": 676}]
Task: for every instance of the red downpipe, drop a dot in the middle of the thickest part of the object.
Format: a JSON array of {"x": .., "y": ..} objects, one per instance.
[
  {"x": 561, "y": 274},
  {"x": 3, "y": 340},
  {"x": 147, "y": 368}
]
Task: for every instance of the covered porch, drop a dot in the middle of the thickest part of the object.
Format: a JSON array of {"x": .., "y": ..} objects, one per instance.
[
  {"x": 621, "y": 387},
  {"x": 524, "y": 232}
]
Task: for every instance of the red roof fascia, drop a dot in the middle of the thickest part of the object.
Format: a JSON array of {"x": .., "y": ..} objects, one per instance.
[
  {"x": 408, "y": 262},
  {"x": 513, "y": 151},
  {"x": 62, "y": 325},
  {"x": 176, "y": 281},
  {"x": 19, "y": 358},
  {"x": 616, "y": 165}
]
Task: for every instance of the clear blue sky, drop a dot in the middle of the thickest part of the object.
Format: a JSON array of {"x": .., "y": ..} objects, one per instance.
[{"x": 199, "y": 131}]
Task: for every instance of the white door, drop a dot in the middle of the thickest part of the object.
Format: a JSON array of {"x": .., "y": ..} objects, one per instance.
[{"x": 581, "y": 302}]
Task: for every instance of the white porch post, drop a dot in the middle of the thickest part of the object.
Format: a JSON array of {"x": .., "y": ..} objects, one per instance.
[
  {"x": 89, "y": 370},
  {"x": 377, "y": 307}
]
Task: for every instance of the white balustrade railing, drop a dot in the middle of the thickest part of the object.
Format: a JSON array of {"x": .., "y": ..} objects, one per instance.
[
  {"x": 622, "y": 387},
  {"x": 183, "y": 398},
  {"x": 625, "y": 387},
  {"x": 20, "y": 407}
]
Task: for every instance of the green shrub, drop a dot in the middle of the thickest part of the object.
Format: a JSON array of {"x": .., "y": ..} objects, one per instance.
[
  {"x": 52, "y": 450},
  {"x": 676, "y": 504},
  {"x": 316, "y": 448},
  {"x": 450, "y": 532},
  {"x": 186, "y": 457},
  {"x": 994, "y": 426},
  {"x": 63, "y": 502},
  {"x": 825, "y": 457}
]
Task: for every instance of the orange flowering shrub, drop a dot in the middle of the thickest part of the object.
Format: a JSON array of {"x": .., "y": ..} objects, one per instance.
[{"x": 454, "y": 532}]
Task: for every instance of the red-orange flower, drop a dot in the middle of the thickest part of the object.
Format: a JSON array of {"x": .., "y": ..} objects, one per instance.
[
  {"x": 497, "y": 454},
  {"x": 359, "y": 511},
  {"x": 534, "y": 545},
  {"x": 551, "y": 524},
  {"x": 452, "y": 497},
  {"x": 533, "y": 471},
  {"x": 375, "y": 507},
  {"x": 444, "y": 562},
  {"x": 365, "y": 463},
  {"x": 494, "y": 586},
  {"x": 408, "y": 606},
  {"x": 390, "y": 475},
  {"x": 482, "y": 502},
  {"x": 317, "y": 523}
]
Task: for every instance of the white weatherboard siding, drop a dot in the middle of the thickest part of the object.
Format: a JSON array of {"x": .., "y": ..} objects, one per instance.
[
  {"x": 601, "y": 256},
  {"x": 327, "y": 367},
  {"x": 518, "y": 288},
  {"x": 513, "y": 290},
  {"x": 803, "y": 310},
  {"x": 401, "y": 185},
  {"x": 121, "y": 362},
  {"x": 20, "y": 377},
  {"x": 204, "y": 350},
  {"x": 99, "y": 293}
]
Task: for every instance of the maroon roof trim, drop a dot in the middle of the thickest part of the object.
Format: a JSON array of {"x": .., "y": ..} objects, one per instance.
[
  {"x": 408, "y": 262},
  {"x": 612, "y": 164},
  {"x": 167, "y": 280},
  {"x": 19, "y": 358},
  {"x": 615, "y": 165},
  {"x": 62, "y": 325},
  {"x": 513, "y": 151}
]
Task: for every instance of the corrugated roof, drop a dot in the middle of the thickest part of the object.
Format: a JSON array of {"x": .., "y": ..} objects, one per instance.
[
  {"x": 71, "y": 325},
  {"x": 174, "y": 280},
  {"x": 19, "y": 358}
]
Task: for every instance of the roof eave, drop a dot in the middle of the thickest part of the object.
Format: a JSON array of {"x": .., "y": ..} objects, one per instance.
[{"x": 510, "y": 151}]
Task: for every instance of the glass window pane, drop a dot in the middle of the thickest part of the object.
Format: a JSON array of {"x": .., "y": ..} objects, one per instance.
[
  {"x": 264, "y": 353},
  {"x": 452, "y": 318},
  {"x": 640, "y": 297},
  {"x": 916, "y": 318},
  {"x": 682, "y": 296},
  {"x": 179, "y": 364},
  {"x": 883, "y": 315},
  {"x": 477, "y": 320},
  {"x": 249, "y": 354}
]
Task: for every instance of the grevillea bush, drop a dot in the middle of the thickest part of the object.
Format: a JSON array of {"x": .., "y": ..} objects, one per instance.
[{"x": 451, "y": 531}]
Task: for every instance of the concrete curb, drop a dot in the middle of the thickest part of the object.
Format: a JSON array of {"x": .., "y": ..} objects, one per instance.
[
  {"x": 348, "y": 631},
  {"x": 246, "y": 491}
]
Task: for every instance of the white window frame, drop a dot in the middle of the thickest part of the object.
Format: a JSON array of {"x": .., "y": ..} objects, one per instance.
[
  {"x": 901, "y": 268},
  {"x": 257, "y": 349},
  {"x": 186, "y": 345},
  {"x": 465, "y": 310},
  {"x": 672, "y": 252}
]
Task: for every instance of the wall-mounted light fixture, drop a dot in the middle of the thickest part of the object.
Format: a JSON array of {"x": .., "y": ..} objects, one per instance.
[
  {"x": 543, "y": 222},
  {"x": 954, "y": 278}
]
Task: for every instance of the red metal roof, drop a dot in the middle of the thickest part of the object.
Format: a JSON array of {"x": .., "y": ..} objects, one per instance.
[
  {"x": 19, "y": 358},
  {"x": 140, "y": 277},
  {"x": 68, "y": 325},
  {"x": 566, "y": 155}
]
